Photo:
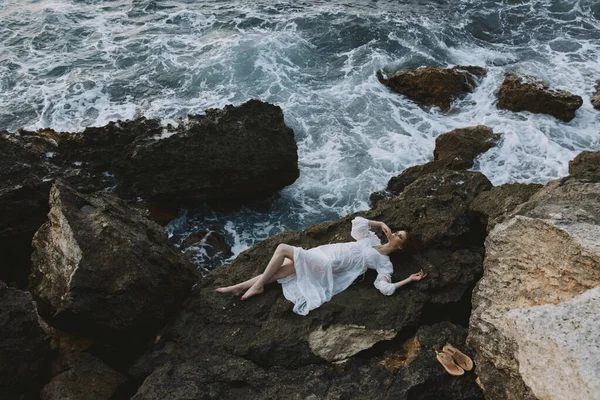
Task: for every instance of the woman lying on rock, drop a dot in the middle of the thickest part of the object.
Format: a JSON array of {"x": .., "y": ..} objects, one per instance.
[{"x": 311, "y": 277}]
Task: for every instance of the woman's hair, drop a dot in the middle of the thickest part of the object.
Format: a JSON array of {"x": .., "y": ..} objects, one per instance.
[{"x": 411, "y": 244}]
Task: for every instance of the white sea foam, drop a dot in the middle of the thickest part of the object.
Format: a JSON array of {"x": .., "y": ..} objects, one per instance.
[{"x": 71, "y": 65}]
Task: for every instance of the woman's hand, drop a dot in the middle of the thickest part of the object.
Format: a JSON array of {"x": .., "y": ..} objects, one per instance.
[
  {"x": 386, "y": 229},
  {"x": 418, "y": 276}
]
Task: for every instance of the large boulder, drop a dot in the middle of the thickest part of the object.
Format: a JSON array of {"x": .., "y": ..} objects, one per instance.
[
  {"x": 220, "y": 346},
  {"x": 80, "y": 375},
  {"x": 24, "y": 346},
  {"x": 455, "y": 150},
  {"x": 101, "y": 269},
  {"x": 585, "y": 166},
  {"x": 435, "y": 86},
  {"x": 559, "y": 347},
  {"x": 528, "y": 93},
  {"x": 546, "y": 253},
  {"x": 235, "y": 155}
]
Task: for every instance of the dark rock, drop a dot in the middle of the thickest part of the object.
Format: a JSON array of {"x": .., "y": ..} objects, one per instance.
[
  {"x": 495, "y": 205},
  {"x": 80, "y": 375},
  {"x": 460, "y": 147},
  {"x": 23, "y": 201},
  {"x": 596, "y": 99},
  {"x": 586, "y": 166},
  {"x": 454, "y": 150},
  {"x": 24, "y": 346},
  {"x": 236, "y": 155},
  {"x": 376, "y": 197},
  {"x": 435, "y": 86},
  {"x": 527, "y": 93},
  {"x": 244, "y": 152},
  {"x": 101, "y": 269},
  {"x": 221, "y": 347}
]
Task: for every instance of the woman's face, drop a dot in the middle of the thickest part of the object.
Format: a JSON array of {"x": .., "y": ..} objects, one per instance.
[{"x": 398, "y": 238}]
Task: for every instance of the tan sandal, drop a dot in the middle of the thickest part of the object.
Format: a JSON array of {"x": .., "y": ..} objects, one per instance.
[
  {"x": 448, "y": 363},
  {"x": 460, "y": 359}
]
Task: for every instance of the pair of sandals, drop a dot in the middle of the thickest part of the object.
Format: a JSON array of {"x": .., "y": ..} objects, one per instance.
[{"x": 453, "y": 360}]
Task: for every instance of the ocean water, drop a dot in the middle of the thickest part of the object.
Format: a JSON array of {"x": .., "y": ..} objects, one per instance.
[{"x": 71, "y": 64}]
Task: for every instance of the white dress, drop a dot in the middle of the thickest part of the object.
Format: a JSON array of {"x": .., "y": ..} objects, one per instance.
[{"x": 327, "y": 270}]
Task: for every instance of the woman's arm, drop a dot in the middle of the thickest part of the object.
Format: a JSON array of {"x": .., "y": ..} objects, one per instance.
[
  {"x": 414, "y": 277},
  {"x": 379, "y": 224},
  {"x": 383, "y": 283}
]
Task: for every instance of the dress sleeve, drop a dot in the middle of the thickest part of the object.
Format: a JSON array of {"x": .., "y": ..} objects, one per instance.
[
  {"x": 360, "y": 228},
  {"x": 383, "y": 282}
]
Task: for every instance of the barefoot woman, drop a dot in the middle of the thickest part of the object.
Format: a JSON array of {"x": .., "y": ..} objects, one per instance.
[{"x": 311, "y": 277}]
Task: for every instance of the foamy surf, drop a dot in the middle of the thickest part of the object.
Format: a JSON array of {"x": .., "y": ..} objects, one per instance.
[{"x": 71, "y": 65}]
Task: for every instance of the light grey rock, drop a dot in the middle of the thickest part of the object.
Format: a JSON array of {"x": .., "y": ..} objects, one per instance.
[{"x": 559, "y": 347}]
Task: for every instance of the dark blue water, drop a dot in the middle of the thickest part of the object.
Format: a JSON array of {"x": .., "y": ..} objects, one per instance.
[{"x": 71, "y": 64}]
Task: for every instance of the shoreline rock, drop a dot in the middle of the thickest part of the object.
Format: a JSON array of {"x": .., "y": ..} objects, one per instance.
[
  {"x": 529, "y": 93},
  {"x": 101, "y": 269},
  {"x": 434, "y": 86}
]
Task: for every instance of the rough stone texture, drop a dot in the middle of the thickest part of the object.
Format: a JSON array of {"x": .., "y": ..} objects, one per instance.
[
  {"x": 435, "y": 86},
  {"x": 528, "y": 93},
  {"x": 409, "y": 372},
  {"x": 228, "y": 155},
  {"x": 586, "y": 166},
  {"x": 24, "y": 346},
  {"x": 221, "y": 347},
  {"x": 339, "y": 342},
  {"x": 494, "y": 205},
  {"x": 596, "y": 99},
  {"x": 559, "y": 347},
  {"x": 547, "y": 253},
  {"x": 100, "y": 268},
  {"x": 234, "y": 155},
  {"x": 80, "y": 375},
  {"x": 454, "y": 150}
]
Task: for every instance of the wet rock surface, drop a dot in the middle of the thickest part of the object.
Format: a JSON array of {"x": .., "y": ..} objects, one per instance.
[
  {"x": 454, "y": 150},
  {"x": 547, "y": 252},
  {"x": 528, "y": 93},
  {"x": 24, "y": 346},
  {"x": 220, "y": 346},
  {"x": 435, "y": 86},
  {"x": 596, "y": 99},
  {"x": 101, "y": 269}
]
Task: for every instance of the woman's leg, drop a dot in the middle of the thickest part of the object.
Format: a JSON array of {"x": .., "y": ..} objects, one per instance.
[
  {"x": 282, "y": 252},
  {"x": 286, "y": 269}
]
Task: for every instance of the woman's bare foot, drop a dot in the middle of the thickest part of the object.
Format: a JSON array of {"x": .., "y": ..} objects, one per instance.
[
  {"x": 253, "y": 291},
  {"x": 235, "y": 290}
]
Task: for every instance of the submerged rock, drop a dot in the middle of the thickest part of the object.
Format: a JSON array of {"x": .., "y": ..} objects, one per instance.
[
  {"x": 528, "y": 93},
  {"x": 220, "y": 346},
  {"x": 24, "y": 346},
  {"x": 547, "y": 253},
  {"x": 101, "y": 269},
  {"x": 596, "y": 99},
  {"x": 435, "y": 86},
  {"x": 454, "y": 150}
]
